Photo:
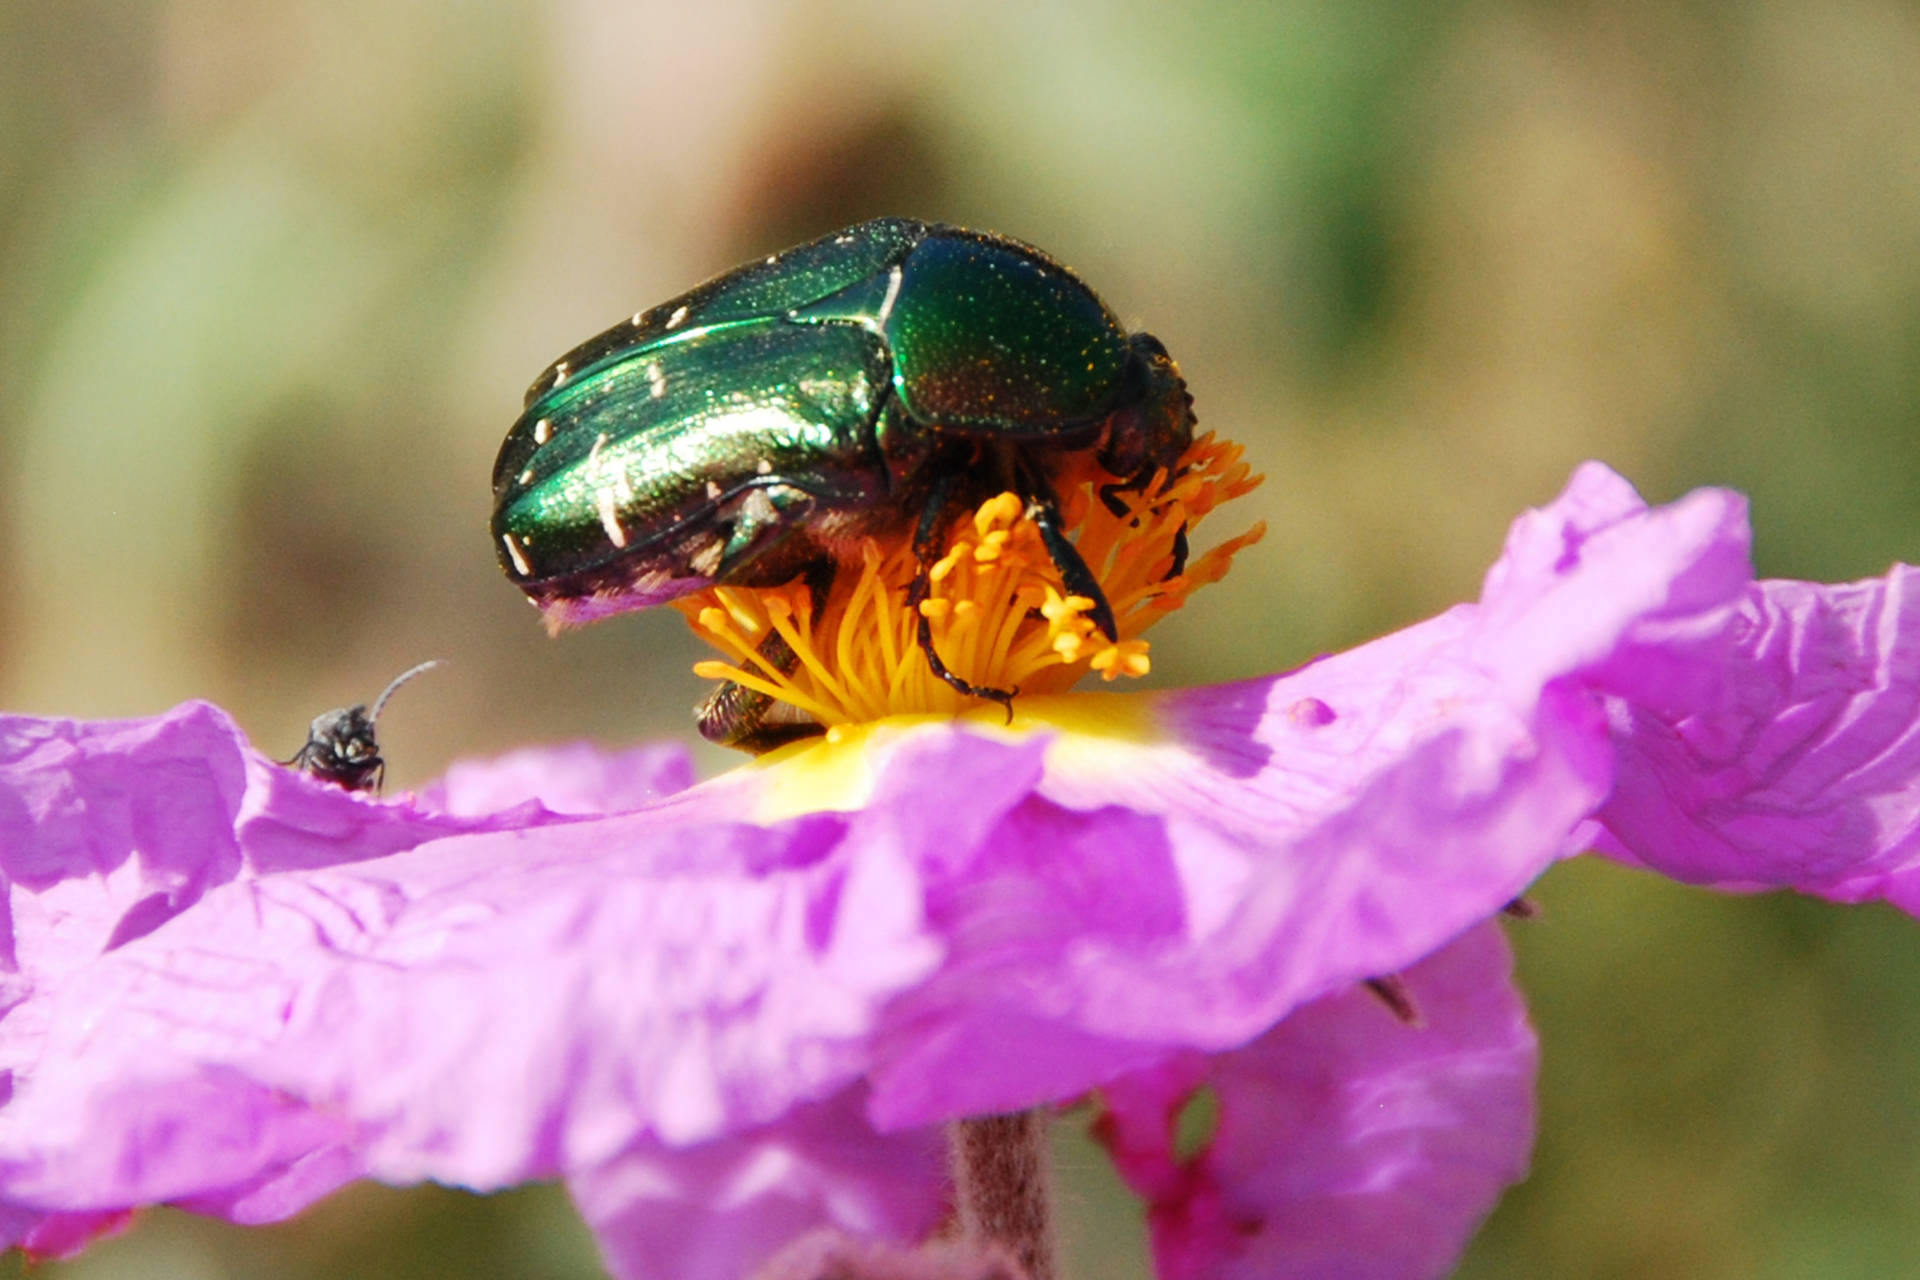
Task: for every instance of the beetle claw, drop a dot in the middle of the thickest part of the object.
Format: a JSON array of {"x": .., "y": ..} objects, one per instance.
[{"x": 958, "y": 684}]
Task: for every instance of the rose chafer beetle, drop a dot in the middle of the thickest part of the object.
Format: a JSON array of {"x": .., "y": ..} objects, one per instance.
[{"x": 875, "y": 383}]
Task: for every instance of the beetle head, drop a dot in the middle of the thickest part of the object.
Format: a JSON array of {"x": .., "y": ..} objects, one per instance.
[{"x": 1153, "y": 424}]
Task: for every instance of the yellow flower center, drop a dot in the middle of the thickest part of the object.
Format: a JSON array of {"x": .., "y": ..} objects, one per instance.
[{"x": 1000, "y": 616}]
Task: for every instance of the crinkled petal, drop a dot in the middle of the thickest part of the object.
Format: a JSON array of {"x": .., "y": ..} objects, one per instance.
[
  {"x": 482, "y": 1009},
  {"x": 578, "y": 778},
  {"x": 1197, "y": 863},
  {"x": 1776, "y": 742},
  {"x": 108, "y": 829},
  {"x": 721, "y": 1210},
  {"x": 496, "y": 990},
  {"x": 1348, "y": 1146}
]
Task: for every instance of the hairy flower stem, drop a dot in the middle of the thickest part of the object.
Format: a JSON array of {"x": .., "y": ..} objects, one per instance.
[{"x": 1003, "y": 1176}]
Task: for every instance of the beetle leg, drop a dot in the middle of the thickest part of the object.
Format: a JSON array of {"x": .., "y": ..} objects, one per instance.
[
  {"x": 926, "y": 551},
  {"x": 819, "y": 579},
  {"x": 1004, "y": 697},
  {"x": 1074, "y": 574},
  {"x": 738, "y": 717},
  {"x": 1110, "y": 499},
  {"x": 1180, "y": 551}
]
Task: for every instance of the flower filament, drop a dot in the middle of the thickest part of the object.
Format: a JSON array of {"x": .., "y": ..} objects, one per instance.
[{"x": 999, "y": 614}]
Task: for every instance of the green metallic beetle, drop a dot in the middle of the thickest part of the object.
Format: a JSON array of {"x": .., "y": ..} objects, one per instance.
[{"x": 876, "y": 383}]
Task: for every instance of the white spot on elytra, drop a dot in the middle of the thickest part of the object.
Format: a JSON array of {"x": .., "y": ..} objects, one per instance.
[
  {"x": 560, "y": 373},
  {"x": 772, "y": 258},
  {"x": 893, "y": 296},
  {"x": 513, "y": 553},
  {"x": 542, "y": 431},
  {"x": 759, "y": 508},
  {"x": 525, "y": 475},
  {"x": 713, "y": 491},
  {"x": 609, "y": 517},
  {"x": 656, "y": 380},
  {"x": 638, "y": 316},
  {"x": 764, "y": 467},
  {"x": 679, "y": 315},
  {"x": 593, "y": 454}
]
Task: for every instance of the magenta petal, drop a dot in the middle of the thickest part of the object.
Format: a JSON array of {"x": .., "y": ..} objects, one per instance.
[
  {"x": 483, "y": 1009},
  {"x": 228, "y": 986},
  {"x": 1348, "y": 818},
  {"x": 1348, "y": 1146},
  {"x": 57, "y": 1235},
  {"x": 1050, "y": 914},
  {"x": 108, "y": 829},
  {"x": 1776, "y": 743},
  {"x": 578, "y": 779},
  {"x": 79, "y": 798},
  {"x": 720, "y": 1210}
]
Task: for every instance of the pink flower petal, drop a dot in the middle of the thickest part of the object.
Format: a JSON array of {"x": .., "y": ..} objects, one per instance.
[
  {"x": 1348, "y": 1146},
  {"x": 721, "y": 1210},
  {"x": 578, "y": 779},
  {"x": 1776, "y": 742},
  {"x": 481, "y": 1010},
  {"x": 1281, "y": 838},
  {"x": 228, "y": 986}
]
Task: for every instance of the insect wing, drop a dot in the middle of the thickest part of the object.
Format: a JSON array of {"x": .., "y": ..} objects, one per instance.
[
  {"x": 768, "y": 289},
  {"x": 633, "y": 482}
]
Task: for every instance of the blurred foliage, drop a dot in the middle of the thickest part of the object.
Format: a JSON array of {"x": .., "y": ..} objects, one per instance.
[{"x": 273, "y": 274}]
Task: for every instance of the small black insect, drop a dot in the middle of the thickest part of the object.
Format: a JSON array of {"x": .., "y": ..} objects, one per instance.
[{"x": 341, "y": 748}]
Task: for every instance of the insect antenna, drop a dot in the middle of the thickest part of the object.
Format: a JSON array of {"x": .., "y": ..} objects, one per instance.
[{"x": 381, "y": 702}]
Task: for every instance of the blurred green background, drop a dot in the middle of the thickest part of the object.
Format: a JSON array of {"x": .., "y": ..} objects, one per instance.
[{"x": 274, "y": 275}]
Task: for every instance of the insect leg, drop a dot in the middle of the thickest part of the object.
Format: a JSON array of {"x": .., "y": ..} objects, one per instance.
[
  {"x": 1074, "y": 573},
  {"x": 926, "y": 551},
  {"x": 1180, "y": 552},
  {"x": 738, "y": 717}
]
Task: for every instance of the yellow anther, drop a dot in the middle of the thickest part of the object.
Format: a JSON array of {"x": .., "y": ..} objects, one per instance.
[
  {"x": 1002, "y": 618},
  {"x": 991, "y": 546},
  {"x": 1128, "y": 658},
  {"x": 1001, "y": 509},
  {"x": 1060, "y": 609},
  {"x": 946, "y": 564}
]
